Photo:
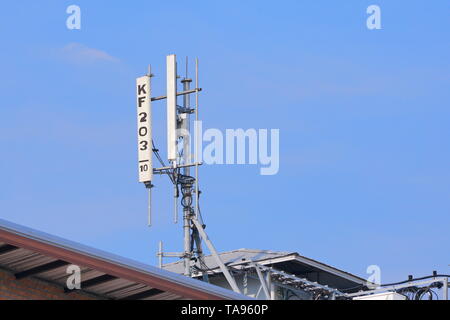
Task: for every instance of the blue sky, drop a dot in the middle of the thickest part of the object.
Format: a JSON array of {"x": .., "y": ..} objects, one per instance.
[{"x": 363, "y": 116}]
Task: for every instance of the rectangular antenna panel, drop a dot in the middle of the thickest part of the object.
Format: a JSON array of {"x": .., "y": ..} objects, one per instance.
[
  {"x": 171, "y": 108},
  {"x": 144, "y": 127}
]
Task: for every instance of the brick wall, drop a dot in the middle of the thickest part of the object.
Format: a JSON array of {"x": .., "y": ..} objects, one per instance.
[{"x": 33, "y": 289}]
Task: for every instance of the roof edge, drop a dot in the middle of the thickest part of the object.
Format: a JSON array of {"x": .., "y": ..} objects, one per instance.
[{"x": 74, "y": 252}]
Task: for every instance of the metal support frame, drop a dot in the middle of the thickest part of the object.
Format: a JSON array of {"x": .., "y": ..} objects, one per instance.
[
  {"x": 161, "y": 254},
  {"x": 445, "y": 289},
  {"x": 178, "y": 94},
  {"x": 163, "y": 170},
  {"x": 291, "y": 280},
  {"x": 270, "y": 285},
  {"x": 262, "y": 280},
  {"x": 219, "y": 261}
]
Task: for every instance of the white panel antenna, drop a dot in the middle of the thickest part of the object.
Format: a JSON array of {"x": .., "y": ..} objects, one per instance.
[
  {"x": 144, "y": 132},
  {"x": 171, "y": 108},
  {"x": 144, "y": 129}
]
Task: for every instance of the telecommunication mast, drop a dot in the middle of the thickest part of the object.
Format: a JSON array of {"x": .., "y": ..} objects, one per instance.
[{"x": 180, "y": 162}]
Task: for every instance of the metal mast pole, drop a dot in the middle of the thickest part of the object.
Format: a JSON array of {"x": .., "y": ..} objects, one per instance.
[
  {"x": 185, "y": 126},
  {"x": 445, "y": 289}
]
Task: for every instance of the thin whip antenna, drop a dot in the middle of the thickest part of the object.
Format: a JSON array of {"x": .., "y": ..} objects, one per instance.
[
  {"x": 150, "y": 186},
  {"x": 149, "y": 207},
  {"x": 175, "y": 210},
  {"x": 196, "y": 144}
]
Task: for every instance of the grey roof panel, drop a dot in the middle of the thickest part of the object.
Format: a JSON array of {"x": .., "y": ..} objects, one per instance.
[
  {"x": 243, "y": 256},
  {"x": 231, "y": 258}
]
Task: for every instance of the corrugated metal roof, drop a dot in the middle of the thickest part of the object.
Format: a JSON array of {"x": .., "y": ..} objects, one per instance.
[
  {"x": 25, "y": 251},
  {"x": 287, "y": 261},
  {"x": 233, "y": 257}
]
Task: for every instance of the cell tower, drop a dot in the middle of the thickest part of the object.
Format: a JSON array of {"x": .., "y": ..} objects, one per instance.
[{"x": 180, "y": 163}]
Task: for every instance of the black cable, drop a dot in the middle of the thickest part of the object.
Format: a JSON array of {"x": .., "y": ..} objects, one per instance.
[
  {"x": 156, "y": 152},
  {"x": 416, "y": 279},
  {"x": 161, "y": 161},
  {"x": 186, "y": 183},
  {"x": 397, "y": 283},
  {"x": 360, "y": 286},
  {"x": 437, "y": 297},
  {"x": 422, "y": 292},
  {"x": 205, "y": 267},
  {"x": 290, "y": 293}
]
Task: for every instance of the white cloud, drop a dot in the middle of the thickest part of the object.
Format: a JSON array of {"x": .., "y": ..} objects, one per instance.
[{"x": 79, "y": 53}]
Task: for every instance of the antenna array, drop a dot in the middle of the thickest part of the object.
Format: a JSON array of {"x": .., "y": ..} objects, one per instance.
[{"x": 179, "y": 156}]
